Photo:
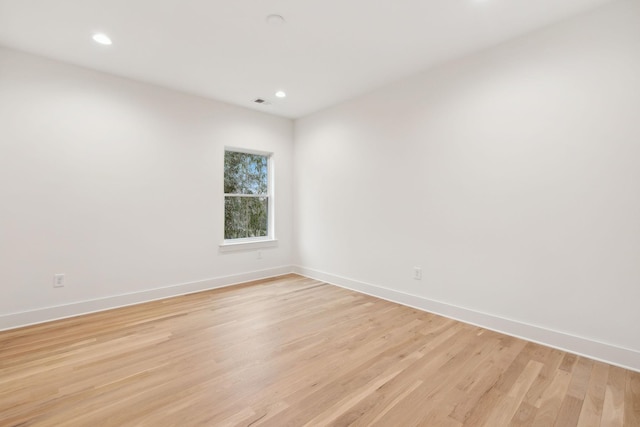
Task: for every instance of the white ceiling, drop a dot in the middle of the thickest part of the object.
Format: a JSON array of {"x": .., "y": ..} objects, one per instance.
[{"x": 328, "y": 50}]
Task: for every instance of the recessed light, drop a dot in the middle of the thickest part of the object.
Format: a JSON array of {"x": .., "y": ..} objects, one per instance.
[
  {"x": 281, "y": 94},
  {"x": 102, "y": 39},
  {"x": 275, "y": 20}
]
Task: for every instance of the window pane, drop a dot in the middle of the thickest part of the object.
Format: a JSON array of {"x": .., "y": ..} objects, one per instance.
[
  {"x": 245, "y": 173},
  {"x": 245, "y": 217}
]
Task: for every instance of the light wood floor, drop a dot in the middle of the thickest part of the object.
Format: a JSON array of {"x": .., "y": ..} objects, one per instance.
[{"x": 296, "y": 352}]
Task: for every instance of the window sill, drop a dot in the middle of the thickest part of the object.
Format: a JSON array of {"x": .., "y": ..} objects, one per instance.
[{"x": 247, "y": 245}]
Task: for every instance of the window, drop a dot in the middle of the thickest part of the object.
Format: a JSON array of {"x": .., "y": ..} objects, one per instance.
[{"x": 248, "y": 201}]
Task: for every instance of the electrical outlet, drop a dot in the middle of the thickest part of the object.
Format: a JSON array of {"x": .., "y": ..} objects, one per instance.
[
  {"x": 417, "y": 273},
  {"x": 58, "y": 280}
]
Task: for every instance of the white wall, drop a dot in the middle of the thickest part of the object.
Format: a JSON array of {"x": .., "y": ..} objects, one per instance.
[
  {"x": 118, "y": 185},
  {"x": 511, "y": 177}
]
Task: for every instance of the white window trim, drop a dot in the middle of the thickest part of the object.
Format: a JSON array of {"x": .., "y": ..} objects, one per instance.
[
  {"x": 247, "y": 244},
  {"x": 250, "y": 243}
]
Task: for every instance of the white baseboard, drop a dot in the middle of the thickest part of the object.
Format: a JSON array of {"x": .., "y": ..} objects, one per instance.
[
  {"x": 16, "y": 320},
  {"x": 614, "y": 355},
  {"x": 626, "y": 358}
]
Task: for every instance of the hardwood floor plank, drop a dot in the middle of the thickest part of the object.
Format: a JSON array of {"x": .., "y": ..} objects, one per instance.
[
  {"x": 550, "y": 365},
  {"x": 591, "y": 413},
  {"x": 293, "y": 351},
  {"x": 632, "y": 400},
  {"x": 504, "y": 411},
  {"x": 524, "y": 416},
  {"x": 569, "y": 412},
  {"x": 614, "y": 399},
  {"x": 571, "y": 406}
]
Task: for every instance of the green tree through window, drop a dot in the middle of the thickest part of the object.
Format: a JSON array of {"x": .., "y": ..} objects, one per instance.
[{"x": 246, "y": 195}]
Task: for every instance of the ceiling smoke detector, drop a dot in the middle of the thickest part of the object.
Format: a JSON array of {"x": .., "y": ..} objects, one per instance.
[{"x": 275, "y": 20}]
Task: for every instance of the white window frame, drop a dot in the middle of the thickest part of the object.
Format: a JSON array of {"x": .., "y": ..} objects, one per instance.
[{"x": 248, "y": 243}]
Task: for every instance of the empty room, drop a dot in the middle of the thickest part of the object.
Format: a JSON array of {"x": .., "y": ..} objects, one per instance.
[{"x": 320, "y": 213}]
